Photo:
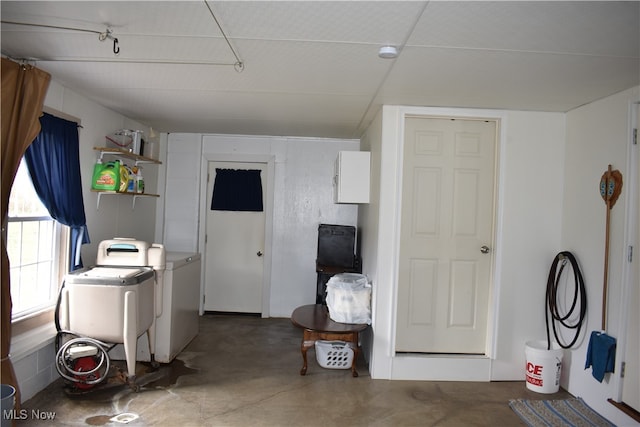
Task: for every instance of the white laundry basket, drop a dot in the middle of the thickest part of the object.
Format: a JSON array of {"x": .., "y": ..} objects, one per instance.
[{"x": 334, "y": 354}]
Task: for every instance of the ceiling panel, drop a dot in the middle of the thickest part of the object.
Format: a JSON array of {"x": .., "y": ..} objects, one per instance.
[
  {"x": 287, "y": 67},
  {"x": 586, "y": 28},
  {"x": 205, "y": 111},
  {"x": 504, "y": 79},
  {"x": 370, "y": 22},
  {"x": 311, "y": 67}
]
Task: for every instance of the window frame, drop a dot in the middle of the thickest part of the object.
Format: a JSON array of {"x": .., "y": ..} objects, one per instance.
[{"x": 40, "y": 314}]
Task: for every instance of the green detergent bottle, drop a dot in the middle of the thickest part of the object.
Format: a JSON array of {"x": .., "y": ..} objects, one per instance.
[{"x": 106, "y": 176}]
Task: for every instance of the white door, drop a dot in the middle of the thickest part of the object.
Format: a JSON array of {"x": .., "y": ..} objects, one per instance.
[
  {"x": 234, "y": 247},
  {"x": 446, "y": 235},
  {"x": 631, "y": 380}
]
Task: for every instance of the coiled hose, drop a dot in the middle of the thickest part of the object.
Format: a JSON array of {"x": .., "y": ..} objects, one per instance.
[
  {"x": 65, "y": 365},
  {"x": 579, "y": 301},
  {"x": 65, "y": 360}
]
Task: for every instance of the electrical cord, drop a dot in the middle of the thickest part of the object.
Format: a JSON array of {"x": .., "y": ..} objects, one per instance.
[{"x": 579, "y": 297}]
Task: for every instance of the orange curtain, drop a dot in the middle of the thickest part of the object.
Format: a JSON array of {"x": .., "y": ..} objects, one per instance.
[{"x": 23, "y": 90}]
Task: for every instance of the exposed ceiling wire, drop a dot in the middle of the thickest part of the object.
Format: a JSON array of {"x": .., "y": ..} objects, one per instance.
[
  {"x": 108, "y": 34},
  {"x": 239, "y": 65},
  {"x": 52, "y": 26},
  {"x": 102, "y": 35}
]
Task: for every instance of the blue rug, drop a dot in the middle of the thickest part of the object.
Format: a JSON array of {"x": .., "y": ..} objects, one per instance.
[{"x": 558, "y": 413}]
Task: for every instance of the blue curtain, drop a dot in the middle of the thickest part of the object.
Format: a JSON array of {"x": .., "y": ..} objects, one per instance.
[
  {"x": 53, "y": 160},
  {"x": 237, "y": 190}
]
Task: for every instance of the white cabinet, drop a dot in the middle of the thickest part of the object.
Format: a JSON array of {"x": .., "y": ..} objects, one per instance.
[{"x": 351, "y": 177}]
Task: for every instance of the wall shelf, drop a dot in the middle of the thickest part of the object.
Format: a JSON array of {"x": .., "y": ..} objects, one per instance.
[
  {"x": 118, "y": 152},
  {"x": 123, "y": 154},
  {"x": 135, "y": 196}
]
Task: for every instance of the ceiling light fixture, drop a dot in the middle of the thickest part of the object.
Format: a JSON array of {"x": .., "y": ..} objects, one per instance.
[{"x": 388, "y": 52}]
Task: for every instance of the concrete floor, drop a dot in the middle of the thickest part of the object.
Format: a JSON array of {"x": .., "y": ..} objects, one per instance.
[{"x": 244, "y": 371}]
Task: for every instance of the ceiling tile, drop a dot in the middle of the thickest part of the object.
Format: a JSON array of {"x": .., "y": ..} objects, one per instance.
[{"x": 311, "y": 67}]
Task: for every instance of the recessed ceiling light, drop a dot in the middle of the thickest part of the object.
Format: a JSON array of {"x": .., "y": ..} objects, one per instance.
[{"x": 388, "y": 52}]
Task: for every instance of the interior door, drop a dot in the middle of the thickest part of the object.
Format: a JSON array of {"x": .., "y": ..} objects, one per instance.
[
  {"x": 446, "y": 235},
  {"x": 234, "y": 247},
  {"x": 631, "y": 380}
]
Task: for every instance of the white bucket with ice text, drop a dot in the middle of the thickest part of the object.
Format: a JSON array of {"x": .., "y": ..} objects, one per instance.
[{"x": 543, "y": 367}]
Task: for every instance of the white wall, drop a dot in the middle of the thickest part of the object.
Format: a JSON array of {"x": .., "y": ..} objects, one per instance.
[
  {"x": 181, "y": 193},
  {"x": 598, "y": 134},
  {"x": 303, "y": 199},
  {"x": 529, "y": 232},
  {"x": 369, "y": 217},
  {"x": 528, "y": 224}
]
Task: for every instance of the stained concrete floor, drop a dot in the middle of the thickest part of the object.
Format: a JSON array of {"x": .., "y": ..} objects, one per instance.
[{"x": 244, "y": 371}]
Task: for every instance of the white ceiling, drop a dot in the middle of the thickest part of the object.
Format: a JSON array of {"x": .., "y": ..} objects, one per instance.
[{"x": 311, "y": 67}]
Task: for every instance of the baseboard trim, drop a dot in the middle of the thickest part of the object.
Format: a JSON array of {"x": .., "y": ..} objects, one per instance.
[{"x": 628, "y": 410}]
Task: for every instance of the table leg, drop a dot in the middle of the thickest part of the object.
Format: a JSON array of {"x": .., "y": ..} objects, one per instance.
[
  {"x": 306, "y": 344},
  {"x": 354, "y": 373}
]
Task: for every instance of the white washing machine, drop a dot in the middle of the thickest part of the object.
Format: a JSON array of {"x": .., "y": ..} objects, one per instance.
[{"x": 116, "y": 301}]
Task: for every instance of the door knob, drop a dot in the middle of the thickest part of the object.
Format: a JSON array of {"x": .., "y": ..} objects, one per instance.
[
  {"x": 484, "y": 249},
  {"x": 259, "y": 253}
]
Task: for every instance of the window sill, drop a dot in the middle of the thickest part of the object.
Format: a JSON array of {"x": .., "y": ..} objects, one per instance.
[
  {"x": 32, "y": 322},
  {"x": 31, "y": 341}
]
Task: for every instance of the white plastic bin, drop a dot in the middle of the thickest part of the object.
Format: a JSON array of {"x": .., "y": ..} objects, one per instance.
[
  {"x": 349, "y": 298},
  {"x": 543, "y": 367}
]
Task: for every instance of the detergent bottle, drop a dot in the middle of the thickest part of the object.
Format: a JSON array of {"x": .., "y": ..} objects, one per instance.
[
  {"x": 131, "y": 182},
  {"x": 106, "y": 176},
  {"x": 125, "y": 178}
]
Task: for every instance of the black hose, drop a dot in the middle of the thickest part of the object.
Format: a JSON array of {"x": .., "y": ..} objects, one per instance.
[
  {"x": 56, "y": 319},
  {"x": 551, "y": 306}
]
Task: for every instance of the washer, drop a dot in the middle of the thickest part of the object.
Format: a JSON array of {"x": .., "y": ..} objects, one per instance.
[{"x": 116, "y": 301}]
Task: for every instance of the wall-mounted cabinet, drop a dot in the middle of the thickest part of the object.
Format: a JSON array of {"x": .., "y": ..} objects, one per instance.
[
  {"x": 124, "y": 155},
  {"x": 351, "y": 177}
]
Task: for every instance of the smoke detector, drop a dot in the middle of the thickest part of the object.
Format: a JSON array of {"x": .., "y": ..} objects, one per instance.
[{"x": 388, "y": 52}]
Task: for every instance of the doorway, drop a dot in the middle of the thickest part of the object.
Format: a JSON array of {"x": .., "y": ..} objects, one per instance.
[
  {"x": 630, "y": 394},
  {"x": 235, "y": 245},
  {"x": 447, "y": 217}
]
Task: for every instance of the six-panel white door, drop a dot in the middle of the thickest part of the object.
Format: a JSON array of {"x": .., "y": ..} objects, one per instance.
[{"x": 446, "y": 235}]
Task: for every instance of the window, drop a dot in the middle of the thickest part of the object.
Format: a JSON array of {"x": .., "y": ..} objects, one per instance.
[{"x": 36, "y": 249}]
